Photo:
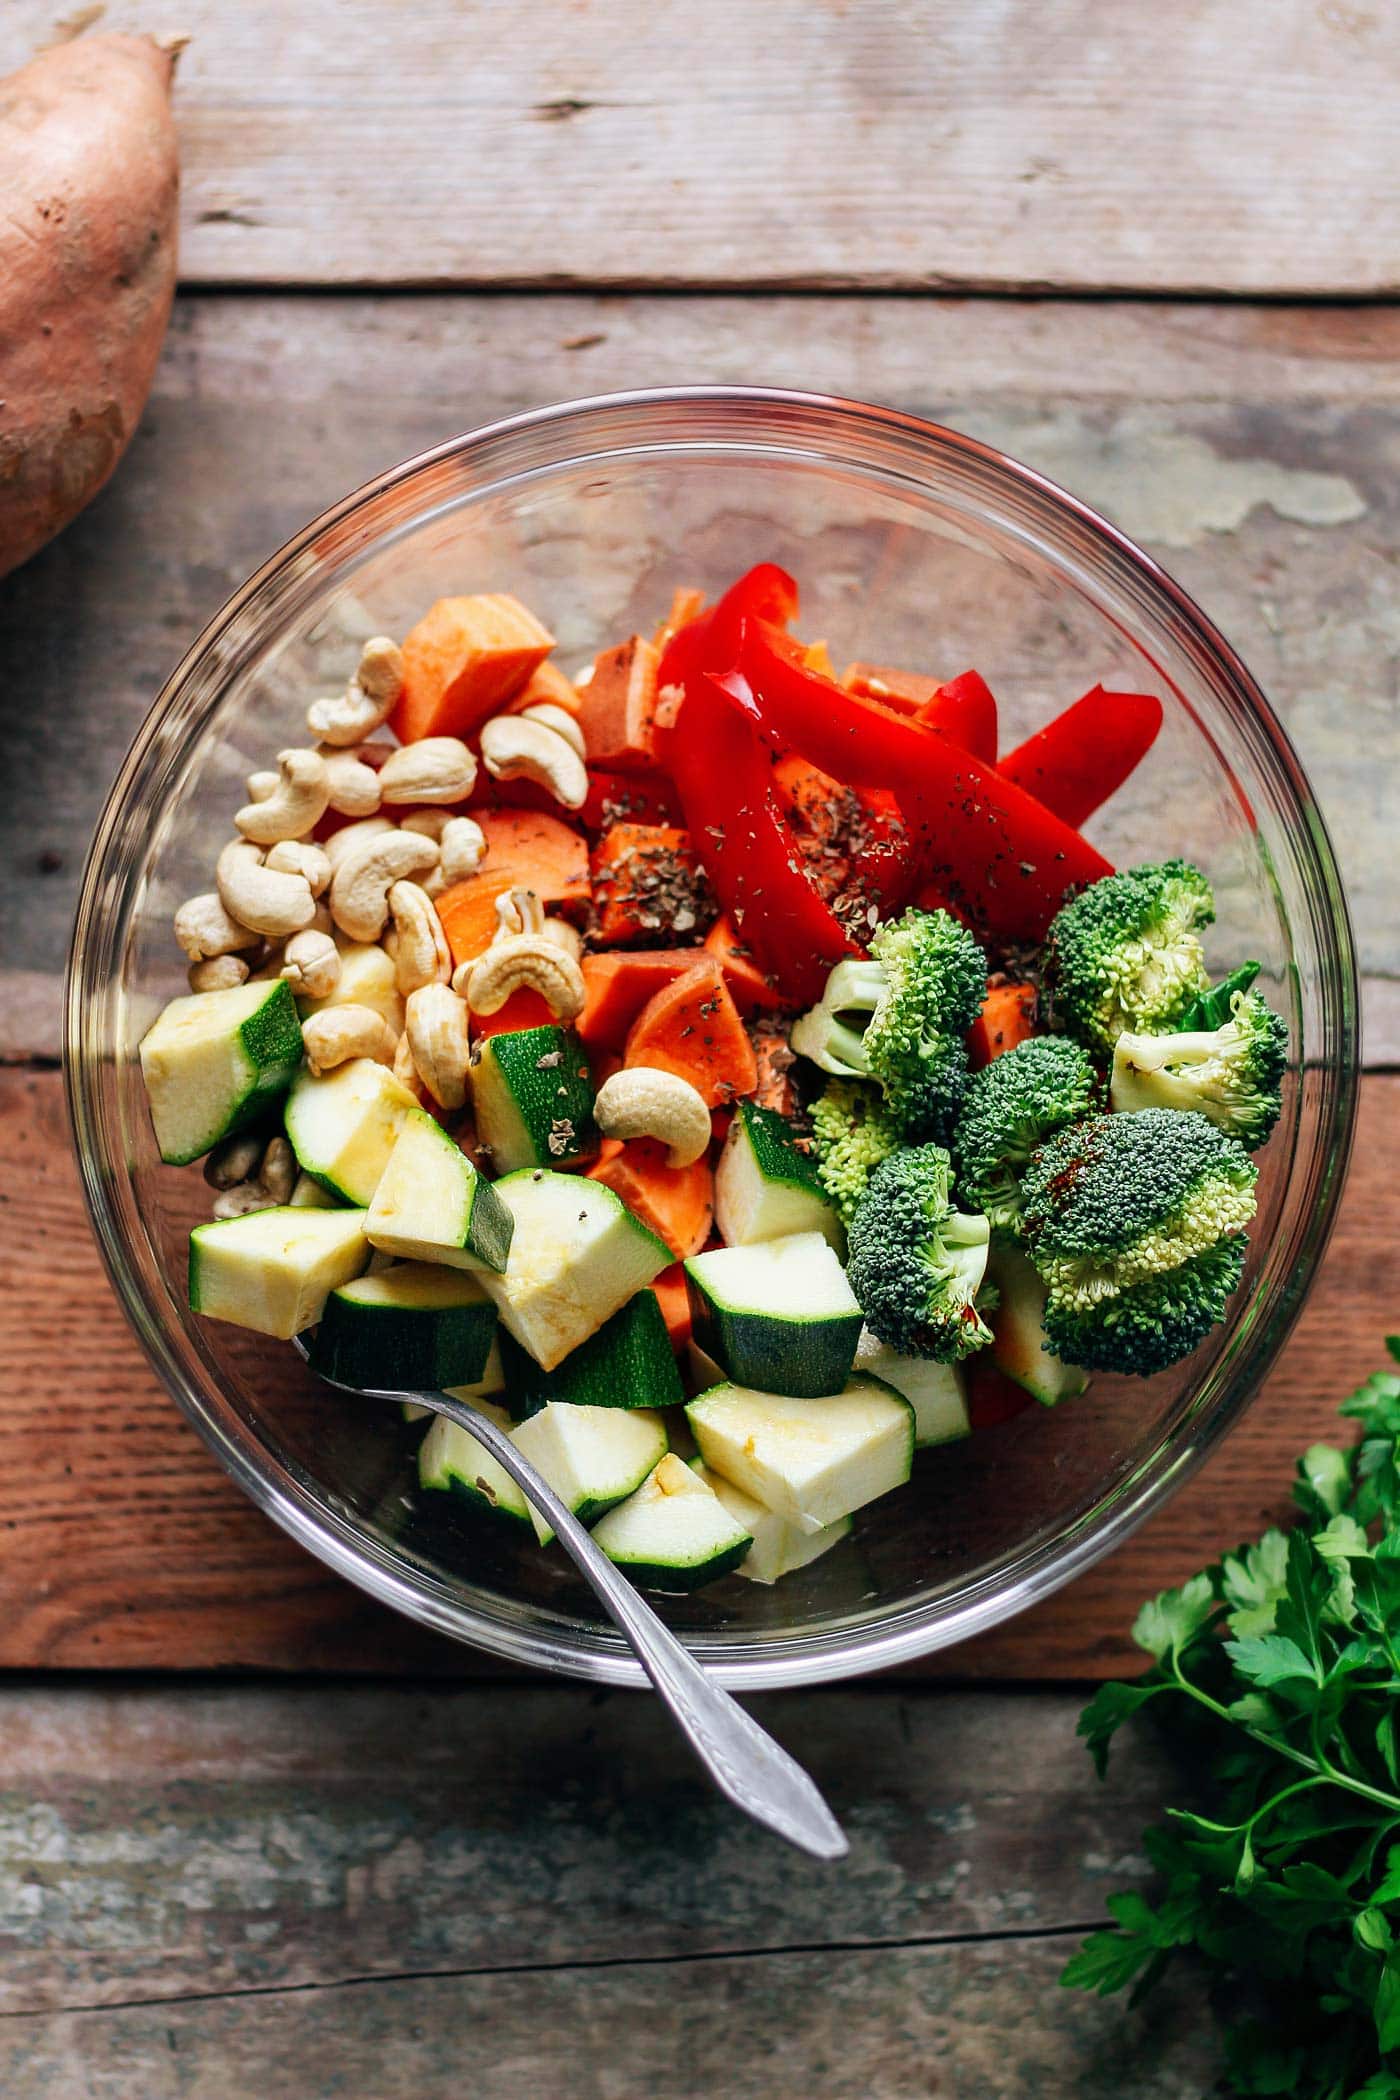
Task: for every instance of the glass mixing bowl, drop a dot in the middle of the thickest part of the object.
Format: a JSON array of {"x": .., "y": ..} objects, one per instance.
[{"x": 912, "y": 546}]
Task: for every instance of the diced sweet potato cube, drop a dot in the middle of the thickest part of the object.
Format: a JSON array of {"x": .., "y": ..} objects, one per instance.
[
  {"x": 687, "y": 604},
  {"x": 465, "y": 658},
  {"x": 547, "y": 686},
  {"x": 617, "y": 706}
]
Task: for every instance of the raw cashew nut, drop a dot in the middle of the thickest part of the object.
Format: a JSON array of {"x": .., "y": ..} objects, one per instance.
[
  {"x": 203, "y": 927},
  {"x": 641, "y": 1101},
  {"x": 421, "y": 953},
  {"x": 269, "y": 1187},
  {"x": 515, "y": 748},
  {"x": 437, "y": 769},
  {"x": 435, "y": 1023},
  {"x": 236, "y": 1159},
  {"x": 564, "y": 936},
  {"x": 526, "y": 959},
  {"x": 266, "y": 899},
  {"x": 350, "y": 836},
  {"x": 461, "y": 844},
  {"x": 406, "y": 1071},
  {"x": 295, "y": 807},
  {"x": 364, "y": 877},
  {"x": 300, "y": 857},
  {"x": 261, "y": 785},
  {"x": 517, "y": 911},
  {"x": 338, "y": 1033},
  {"x": 558, "y": 719},
  {"x": 353, "y": 787},
  {"x": 367, "y": 700},
  {"x": 217, "y": 973},
  {"x": 311, "y": 964}
]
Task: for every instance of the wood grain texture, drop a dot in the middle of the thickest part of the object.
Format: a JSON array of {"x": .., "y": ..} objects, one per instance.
[
  {"x": 888, "y": 2024},
  {"x": 123, "y": 1546},
  {"x": 1244, "y": 146},
  {"x": 214, "y": 1892},
  {"x": 1249, "y": 449},
  {"x": 304, "y": 1835}
]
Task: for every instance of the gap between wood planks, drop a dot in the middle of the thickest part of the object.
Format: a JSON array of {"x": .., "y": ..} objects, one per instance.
[{"x": 1074, "y": 1929}]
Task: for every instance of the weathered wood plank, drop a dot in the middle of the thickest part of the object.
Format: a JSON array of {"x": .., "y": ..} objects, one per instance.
[
  {"x": 1220, "y": 145},
  {"x": 162, "y": 1843},
  {"x": 896, "y": 2024},
  {"x": 122, "y": 1545},
  {"x": 1247, "y": 448}
]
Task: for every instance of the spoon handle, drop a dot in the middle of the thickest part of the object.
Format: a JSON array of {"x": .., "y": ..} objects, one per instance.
[{"x": 742, "y": 1759}]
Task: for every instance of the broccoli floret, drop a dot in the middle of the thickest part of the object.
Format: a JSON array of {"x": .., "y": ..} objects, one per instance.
[
  {"x": 915, "y": 1263},
  {"x": 851, "y": 1133},
  {"x": 1126, "y": 953},
  {"x": 1135, "y": 1223},
  {"x": 1155, "y": 1323},
  {"x": 900, "y": 1018},
  {"x": 1232, "y": 1073},
  {"x": 1010, "y": 1107}
]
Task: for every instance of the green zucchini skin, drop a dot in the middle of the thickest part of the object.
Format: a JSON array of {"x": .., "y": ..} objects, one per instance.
[
  {"x": 804, "y": 1359},
  {"x": 673, "y": 1533},
  {"x": 433, "y": 1204},
  {"x": 450, "y": 1459},
  {"x": 766, "y": 1186},
  {"x": 378, "y": 1343},
  {"x": 269, "y": 1051},
  {"x": 532, "y": 1091},
  {"x": 629, "y": 1362},
  {"x": 803, "y": 1355},
  {"x": 680, "y": 1580}
]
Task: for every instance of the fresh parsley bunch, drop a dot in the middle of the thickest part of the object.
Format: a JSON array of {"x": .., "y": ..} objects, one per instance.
[{"x": 1283, "y": 1663}]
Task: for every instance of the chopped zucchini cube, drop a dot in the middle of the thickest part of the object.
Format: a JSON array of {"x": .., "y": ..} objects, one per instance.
[
  {"x": 532, "y": 1096},
  {"x": 811, "y": 1461},
  {"x": 936, "y": 1392},
  {"x": 1018, "y": 1329},
  {"x": 274, "y": 1269},
  {"x": 577, "y": 1256},
  {"x": 766, "y": 1187},
  {"x": 431, "y": 1204},
  {"x": 675, "y": 1532},
  {"x": 415, "y": 1325},
  {"x": 367, "y": 978},
  {"x": 215, "y": 1061},
  {"x": 592, "y": 1457},
  {"x": 491, "y": 1382},
  {"x": 780, "y": 1547},
  {"x": 342, "y": 1126},
  {"x": 451, "y": 1458},
  {"x": 778, "y": 1315},
  {"x": 629, "y": 1362}
]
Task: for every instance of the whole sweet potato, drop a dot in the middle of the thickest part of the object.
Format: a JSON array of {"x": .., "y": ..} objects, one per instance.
[{"x": 89, "y": 178}]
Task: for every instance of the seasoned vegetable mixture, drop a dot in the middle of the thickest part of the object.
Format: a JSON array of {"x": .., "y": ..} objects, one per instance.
[{"x": 706, "y": 1054}]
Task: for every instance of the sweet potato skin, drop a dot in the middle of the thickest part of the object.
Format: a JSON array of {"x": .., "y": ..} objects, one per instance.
[{"x": 87, "y": 271}]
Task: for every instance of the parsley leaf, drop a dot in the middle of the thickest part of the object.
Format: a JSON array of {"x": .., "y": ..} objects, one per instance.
[{"x": 1280, "y": 1668}]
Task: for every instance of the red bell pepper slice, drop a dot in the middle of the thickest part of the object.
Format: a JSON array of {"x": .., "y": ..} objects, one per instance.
[
  {"x": 709, "y": 642},
  {"x": 965, "y": 711},
  {"x": 1077, "y": 761},
  {"x": 732, "y": 811},
  {"x": 991, "y": 847}
]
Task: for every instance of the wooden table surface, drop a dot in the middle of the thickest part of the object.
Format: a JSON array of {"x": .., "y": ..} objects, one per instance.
[{"x": 1151, "y": 253}]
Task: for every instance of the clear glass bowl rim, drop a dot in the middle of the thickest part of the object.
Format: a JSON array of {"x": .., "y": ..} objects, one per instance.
[{"x": 913, "y": 1630}]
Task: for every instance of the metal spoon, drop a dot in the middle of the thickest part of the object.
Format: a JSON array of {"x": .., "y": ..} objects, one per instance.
[{"x": 744, "y": 1762}]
